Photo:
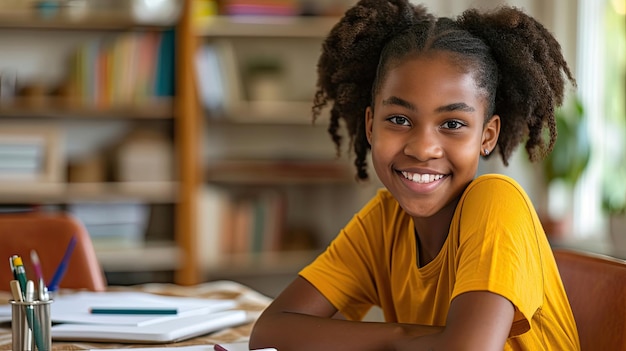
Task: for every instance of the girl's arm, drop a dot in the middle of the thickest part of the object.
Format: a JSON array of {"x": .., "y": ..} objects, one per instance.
[{"x": 300, "y": 319}]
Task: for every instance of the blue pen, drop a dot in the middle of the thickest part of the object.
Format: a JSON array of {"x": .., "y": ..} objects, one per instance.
[{"x": 58, "y": 274}]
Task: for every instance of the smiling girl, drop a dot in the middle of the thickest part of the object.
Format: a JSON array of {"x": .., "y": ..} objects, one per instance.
[{"x": 456, "y": 262}]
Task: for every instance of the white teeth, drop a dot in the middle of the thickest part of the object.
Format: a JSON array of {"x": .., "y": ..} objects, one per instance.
[{"x": 422, "y": 178}]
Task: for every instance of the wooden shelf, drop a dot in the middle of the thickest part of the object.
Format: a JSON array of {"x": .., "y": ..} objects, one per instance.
[
  {"x": 49, "y": 193},
  {"x": 267, "y": 172},
  {"x": 266, "y": 26},
  {"x": 159, "y": 108},
  {"x": 66, "y": 19},
  {"x": 158, "y": 256},
  {"x": 181, "y": 110},
  {"x": 271, "y": 112},
  {"x": 276, "y": 262}
]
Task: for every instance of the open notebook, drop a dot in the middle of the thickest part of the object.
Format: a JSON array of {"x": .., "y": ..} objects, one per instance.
[{"x": 72, "y": 319}]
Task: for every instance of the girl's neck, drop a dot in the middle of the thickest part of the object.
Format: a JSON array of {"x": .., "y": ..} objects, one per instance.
[{"x": 431, "y": 233}]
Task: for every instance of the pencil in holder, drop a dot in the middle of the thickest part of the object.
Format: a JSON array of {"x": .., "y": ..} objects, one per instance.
[{"x": 30, "y": 325}]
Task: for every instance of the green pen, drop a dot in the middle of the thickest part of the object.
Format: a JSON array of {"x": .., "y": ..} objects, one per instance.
[
  {"x": 20, "y": 273},
  {"x": 28, "y": 293}
]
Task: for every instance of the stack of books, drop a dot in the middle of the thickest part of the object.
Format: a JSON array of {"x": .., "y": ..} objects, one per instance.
[{"x": 21, "y": 157}]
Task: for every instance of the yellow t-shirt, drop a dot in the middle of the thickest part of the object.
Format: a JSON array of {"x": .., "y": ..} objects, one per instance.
[{"x": 495, "y": 243}]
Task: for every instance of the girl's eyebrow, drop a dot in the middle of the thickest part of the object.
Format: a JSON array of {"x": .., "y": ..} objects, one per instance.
[
  {"x": 458, "y": 106},
  {"x": 394, "y": 100}
]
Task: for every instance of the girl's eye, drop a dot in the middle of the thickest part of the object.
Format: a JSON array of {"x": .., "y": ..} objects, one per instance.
[
  {"x": 452, "y": 125},
  {"x": 399, "y": 120}
]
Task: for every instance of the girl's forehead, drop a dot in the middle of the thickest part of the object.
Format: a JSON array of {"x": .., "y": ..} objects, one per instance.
[
  {"x": 454, "y": 60},
  {"x": 432, "y": 68},
  {"x": 433, "y": 80}
]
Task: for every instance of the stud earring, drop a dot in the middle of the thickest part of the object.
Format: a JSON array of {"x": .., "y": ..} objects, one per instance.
[{"x": 486, "y": 151}]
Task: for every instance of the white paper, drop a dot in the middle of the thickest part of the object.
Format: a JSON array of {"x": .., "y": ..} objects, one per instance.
[
  {"x": 173, "y": 330},
  {"x": 75, "y": 308}
]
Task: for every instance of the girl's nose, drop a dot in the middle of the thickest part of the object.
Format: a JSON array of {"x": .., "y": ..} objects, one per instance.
[{"x": 423, "y": 145}]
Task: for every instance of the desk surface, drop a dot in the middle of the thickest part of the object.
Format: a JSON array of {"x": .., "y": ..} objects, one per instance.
[{"x": 247, "y": 299}]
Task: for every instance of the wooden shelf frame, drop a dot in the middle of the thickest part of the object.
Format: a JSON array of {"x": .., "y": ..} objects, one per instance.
[
  {"x": 67, "y": 19},
  {"x": 272, "y": 112},
  {"x": 158, "y": 108},
  {"x": 181, "y": 254},
  {"x": 275, "y": 172},
  {"x": 53, "y": 193},
  {"x": 262, "y": 263},
  {"x": 266, "y": 26},
  {"x": 158, "y": 256},
  {"x": 188, "y": 134}
]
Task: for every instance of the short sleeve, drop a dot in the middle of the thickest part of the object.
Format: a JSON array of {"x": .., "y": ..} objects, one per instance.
[
  {"x": 498, "y": 250},
  {"x": 343, "y": 273}
]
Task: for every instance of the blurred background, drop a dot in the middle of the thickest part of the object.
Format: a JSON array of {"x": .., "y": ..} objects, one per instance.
[{"x": 180, "y": 132}]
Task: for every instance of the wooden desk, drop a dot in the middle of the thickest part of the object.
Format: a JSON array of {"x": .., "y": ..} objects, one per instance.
[{"x": 247, "y": 299}]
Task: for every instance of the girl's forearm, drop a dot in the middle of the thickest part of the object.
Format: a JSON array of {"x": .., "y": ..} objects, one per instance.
[{"x": 288, "y": 331}]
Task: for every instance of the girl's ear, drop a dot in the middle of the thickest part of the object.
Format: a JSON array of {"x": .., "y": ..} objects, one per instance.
[
  {"x": 369, "y": 122},
  {"x": 491, "y": 131}
]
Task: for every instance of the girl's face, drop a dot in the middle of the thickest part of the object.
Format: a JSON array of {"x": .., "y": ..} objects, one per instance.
[{"x": 427, "y": 133}]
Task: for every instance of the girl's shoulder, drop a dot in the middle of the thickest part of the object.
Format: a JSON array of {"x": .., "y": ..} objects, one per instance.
[
  {"x": 493, "y": 181},
  {"x": 496, "y": 188}
]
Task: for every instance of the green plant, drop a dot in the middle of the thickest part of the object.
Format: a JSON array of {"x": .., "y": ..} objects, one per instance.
[{"x": 572, "y": 149}]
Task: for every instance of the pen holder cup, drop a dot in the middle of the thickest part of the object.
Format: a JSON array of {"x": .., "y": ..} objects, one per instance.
[{"x": 31, "y": 324}]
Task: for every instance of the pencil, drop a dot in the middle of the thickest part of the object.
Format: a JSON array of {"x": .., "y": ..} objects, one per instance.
[{"x": 132, "y": 310}]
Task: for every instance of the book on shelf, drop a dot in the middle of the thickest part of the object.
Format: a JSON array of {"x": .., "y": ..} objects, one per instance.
[
  {"x": 22, "y": 156},
  {"x": 113, "y": 224},
  {"x": 21, "y": 159},
  {"x": 164, "y": 78},
  {"x": 131, "y": 68},
  {"x": 232, "y": 224},
  {"x": 218, "y": 78}
]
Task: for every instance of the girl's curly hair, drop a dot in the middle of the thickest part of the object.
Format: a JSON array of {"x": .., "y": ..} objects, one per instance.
[{"x": 516, "y": 62}]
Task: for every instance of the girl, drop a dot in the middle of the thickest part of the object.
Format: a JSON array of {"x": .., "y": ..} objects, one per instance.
[{"x": 455, "y": 262}]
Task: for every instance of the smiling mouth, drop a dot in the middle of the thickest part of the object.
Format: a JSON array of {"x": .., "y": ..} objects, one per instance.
[{"x": 422, "y": 178}]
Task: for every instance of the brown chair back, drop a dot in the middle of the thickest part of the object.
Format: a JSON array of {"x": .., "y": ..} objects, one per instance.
[
  {"x": 596, "y": 288},
  {"x": 49, "y": 234}
]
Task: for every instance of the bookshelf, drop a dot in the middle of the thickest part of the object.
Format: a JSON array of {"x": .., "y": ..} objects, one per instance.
[
  {"x": 79, "y": 115},
  {"x": 261, "y": 142}
]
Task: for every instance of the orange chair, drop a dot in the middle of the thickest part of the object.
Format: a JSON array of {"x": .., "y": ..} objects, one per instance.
[
  {"x": 596, "y": 288},
  {"x": 49, "y": 234}
]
